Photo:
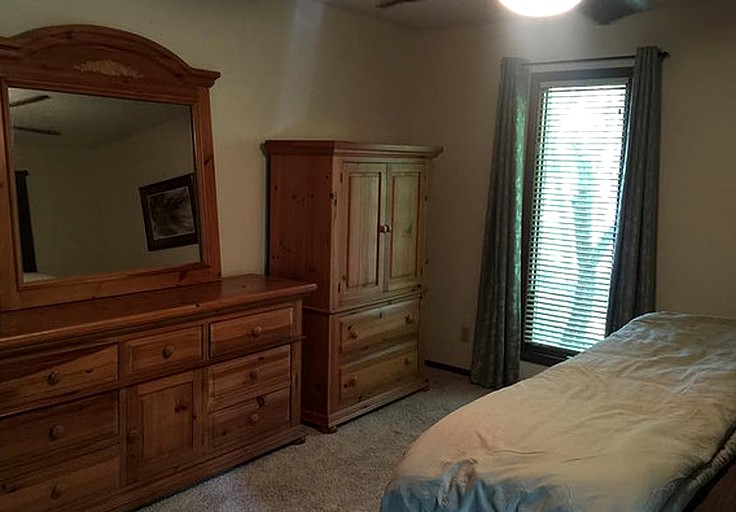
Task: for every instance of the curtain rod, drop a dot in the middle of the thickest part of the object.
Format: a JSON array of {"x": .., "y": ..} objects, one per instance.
[{"x": 663, "y": 55}]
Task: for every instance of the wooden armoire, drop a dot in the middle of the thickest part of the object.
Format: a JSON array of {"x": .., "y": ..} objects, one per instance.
[{"x": 351, "y": 218}]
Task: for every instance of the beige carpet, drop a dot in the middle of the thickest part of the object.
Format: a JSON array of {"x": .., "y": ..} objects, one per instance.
[{"x": 344, "y": 472}]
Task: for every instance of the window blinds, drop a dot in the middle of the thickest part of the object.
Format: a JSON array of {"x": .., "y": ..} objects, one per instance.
[{"x": 577, "y": 175}]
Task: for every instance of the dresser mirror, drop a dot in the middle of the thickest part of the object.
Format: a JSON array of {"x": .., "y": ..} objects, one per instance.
[
  {"x": 107, "y": 184},
  {"x": 80, "y": 163}
]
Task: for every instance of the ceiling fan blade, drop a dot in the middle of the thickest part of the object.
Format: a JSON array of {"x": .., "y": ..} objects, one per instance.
[
  {"x": 390, "y": 3},
  {"x": 40, "y": 131},
  {"x": 608, "y": 11},
  {"x": 29, "y": 101}
]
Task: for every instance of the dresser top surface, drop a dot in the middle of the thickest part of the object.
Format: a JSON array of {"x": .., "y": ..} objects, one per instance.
[{"x": 27, "y": 327}]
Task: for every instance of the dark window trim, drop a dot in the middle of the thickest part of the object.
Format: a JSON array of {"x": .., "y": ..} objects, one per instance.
[{"x": 534, "y": 352}]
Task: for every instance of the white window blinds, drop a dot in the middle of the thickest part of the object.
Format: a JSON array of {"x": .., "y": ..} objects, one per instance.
[{"x": 577, "y": 173}]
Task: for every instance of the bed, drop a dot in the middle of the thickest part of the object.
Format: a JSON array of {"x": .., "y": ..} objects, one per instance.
[{"x": 644, "y": 421}]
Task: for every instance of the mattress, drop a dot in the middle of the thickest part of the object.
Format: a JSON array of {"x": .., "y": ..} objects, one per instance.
[{"x": 641, "y": 422}]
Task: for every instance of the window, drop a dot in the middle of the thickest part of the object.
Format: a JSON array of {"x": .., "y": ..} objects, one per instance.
[{"x": 572, "y": 185}]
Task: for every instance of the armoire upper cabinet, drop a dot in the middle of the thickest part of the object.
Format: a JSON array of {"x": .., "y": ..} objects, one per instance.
[{"x": 349, "y": 217}]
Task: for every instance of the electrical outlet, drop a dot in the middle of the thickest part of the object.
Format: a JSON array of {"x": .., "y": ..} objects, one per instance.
[{"x": 464, "y": 334}]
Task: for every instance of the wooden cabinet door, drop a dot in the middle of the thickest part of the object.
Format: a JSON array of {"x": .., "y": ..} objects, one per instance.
[
  {"x": 362, "y": 214},
  {"x": 164, "y": 419},
  {"x": 405, "y": 198}
]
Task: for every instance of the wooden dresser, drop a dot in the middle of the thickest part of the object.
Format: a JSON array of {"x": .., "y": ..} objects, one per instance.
[
  {"x": 351, "y": 218},
  {"x": 108, "y": 403}
]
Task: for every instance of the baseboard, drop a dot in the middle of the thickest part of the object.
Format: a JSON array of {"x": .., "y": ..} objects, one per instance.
[{"x": 447, "y": 367}]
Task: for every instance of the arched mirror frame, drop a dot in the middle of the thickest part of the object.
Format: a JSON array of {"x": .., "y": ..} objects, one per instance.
[{"x": 103, "y": 62}]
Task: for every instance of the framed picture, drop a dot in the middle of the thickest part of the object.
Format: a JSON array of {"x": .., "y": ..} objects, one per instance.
[{"x": 169, "y": 213}]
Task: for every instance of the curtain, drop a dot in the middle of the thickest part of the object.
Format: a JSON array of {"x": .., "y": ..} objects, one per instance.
[
  {"x": 497, "y": 340},
  {"x": 634, "y": 264}
]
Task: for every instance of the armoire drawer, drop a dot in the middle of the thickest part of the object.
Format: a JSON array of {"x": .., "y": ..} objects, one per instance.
[
  {"x": 26, "y": 380},
  {"x": 360, "y": 381},
  {"x": 159, "y": 350},
  {"x": 37, "y": 434},
  {"x": 236, "y": 334},
  {"x": 258, "y": 374},
  {"x": 257, "y": 417},
  {"x": 59, "y": 487},
  {"x": 366, "y": 330}
]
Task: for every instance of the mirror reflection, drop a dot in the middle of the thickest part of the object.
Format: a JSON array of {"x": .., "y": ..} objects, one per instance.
[{"x": 102, "y": 184}]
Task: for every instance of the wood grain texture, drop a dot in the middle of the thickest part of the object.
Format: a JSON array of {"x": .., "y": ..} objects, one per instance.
[
  {"x": 59, "y": 486},
  {"x": 45, "y": 433},
  {"x": 33, "y": 378},
  {"x": 164, "y": 425},
  {"x": 107, "y": 62},
  {"x": 163, "y": 348},
  {"x": 362, "y": 246},
  {"x": 352, "y": 217},
  {"x": 367, "y": 331},
  {"x": 247, "y": 377},
  {"x": 231, "y": 335},
  {"x": 251, "y": 419},
  {"x": 405, "y": 211},
  {"x": 154, "y": 423},
  {"x": 28, "y": 328}
]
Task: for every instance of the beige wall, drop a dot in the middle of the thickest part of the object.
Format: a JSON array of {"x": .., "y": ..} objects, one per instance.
[
  {"x": 294, "y": 68},
  {"x": 455, "y": 107},
  {"x": 290, "y": 68}
]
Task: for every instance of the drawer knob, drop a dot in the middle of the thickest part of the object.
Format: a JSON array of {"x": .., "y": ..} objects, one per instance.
[
  {"x": 354, "y": 335},
  {"x": 257, "y": 331},
  {"x": 254, "y": 418},
  {"x": 133, "y": 434},
  {"x": 352, "y": 382},
  {"x": 254, "y": 374},
  {"x": 407, "y": 361},
  {"x": 58, "y": 490},
  {"x": 409, "y": 319},
  {"x": 54, "y": 378},
  {"x": 181, "y": 407},
  {"x": 168, "y": 351},
  {"x": 261, "y": 401},
  {"x": 384, "y": 228},
  {"x": 56, "y": 432}
]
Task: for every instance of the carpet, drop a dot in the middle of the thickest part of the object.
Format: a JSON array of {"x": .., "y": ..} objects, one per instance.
[{"x": 341, "y": 472}]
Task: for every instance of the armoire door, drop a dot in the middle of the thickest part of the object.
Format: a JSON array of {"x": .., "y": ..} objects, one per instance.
[
  {"x": 405, "y": 214},
  {"x": 362, "y": 231},
  {"x": 164, "y": 419}
]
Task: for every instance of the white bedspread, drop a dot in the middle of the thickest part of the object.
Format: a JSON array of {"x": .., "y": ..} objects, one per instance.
[{"x": 638, "y": 423}]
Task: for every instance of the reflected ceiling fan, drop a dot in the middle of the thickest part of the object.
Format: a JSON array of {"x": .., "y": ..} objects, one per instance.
[
  {"x": 30, "y": 101},
  {"x": 602, "y": 12}
]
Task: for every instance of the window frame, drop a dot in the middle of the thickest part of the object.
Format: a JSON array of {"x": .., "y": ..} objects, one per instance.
[{"x": 534, "y": 352}]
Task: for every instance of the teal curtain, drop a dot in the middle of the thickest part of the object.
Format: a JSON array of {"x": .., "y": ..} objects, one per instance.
[
  {"x": 633, "y": 279},
  {"x": 497, "y": 340}
]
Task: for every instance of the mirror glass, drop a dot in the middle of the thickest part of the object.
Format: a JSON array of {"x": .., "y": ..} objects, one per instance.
[{"x": 102, "y": 184}]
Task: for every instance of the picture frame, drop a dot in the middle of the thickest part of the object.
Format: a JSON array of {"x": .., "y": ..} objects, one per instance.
[{"x": 170, "y": 213}]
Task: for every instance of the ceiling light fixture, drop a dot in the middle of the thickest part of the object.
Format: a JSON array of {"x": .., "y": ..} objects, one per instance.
[{"x": 539, "y": 8}]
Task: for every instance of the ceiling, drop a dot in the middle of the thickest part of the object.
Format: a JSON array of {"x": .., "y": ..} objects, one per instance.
[
  {"x": 428, "y": 14},
  {"x": 83, "y": 120}
]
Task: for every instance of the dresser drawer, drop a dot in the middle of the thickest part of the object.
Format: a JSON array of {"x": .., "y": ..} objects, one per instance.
[
  {"x": 59, "y": 487},
  {"x": 367, "y": 330},
  {"x": 30, "y": 379},
  {"x": 257, "y": 417},
  {"x": 361, "y": 381},
  {"x": 236, "y": 334},
  {"x": 234, "y": 381},
  {"x": 38, "y": 433},
  {"x": 174, "y": 348}
]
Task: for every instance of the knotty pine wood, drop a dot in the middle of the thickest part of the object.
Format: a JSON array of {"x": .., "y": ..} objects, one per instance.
[
  {"x": 102, "y": 61},
  {"x": 147, "y": 432},
  {"x": 163, "y": 348},
  {"x": 351, "y": 217}
]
